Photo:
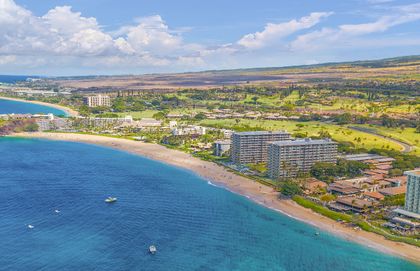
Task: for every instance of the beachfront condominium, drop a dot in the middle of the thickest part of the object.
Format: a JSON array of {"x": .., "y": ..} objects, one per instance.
[
  {"x": 251, "y": 147},
  {"x": 412, "y": 197},
  {"x": 287, "y": 158},
  {"x": 97, "y": 100}
]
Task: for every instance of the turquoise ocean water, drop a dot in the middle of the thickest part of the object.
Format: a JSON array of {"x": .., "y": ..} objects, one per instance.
[
  {"x": 194, "y": 225},
  {"x": 9, "y": 107}
]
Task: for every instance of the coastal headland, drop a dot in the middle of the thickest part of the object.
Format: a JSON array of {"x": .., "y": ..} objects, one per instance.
[
  {"x": 220, "y": 176},
  {"x": 70, "y": 112}
]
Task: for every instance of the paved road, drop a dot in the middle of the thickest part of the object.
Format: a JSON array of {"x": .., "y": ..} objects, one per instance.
[{"x": 405, "y": 147}]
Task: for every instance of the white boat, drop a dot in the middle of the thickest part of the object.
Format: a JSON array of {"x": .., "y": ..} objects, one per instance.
[
  {"x": 110, "y": 200},
  {"x": 152, "y": 249},
  {"x": 30, "y": 226}
]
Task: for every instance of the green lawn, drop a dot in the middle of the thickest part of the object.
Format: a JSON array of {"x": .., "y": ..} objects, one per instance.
[
  {"x": 364, "y": 106},
  {"x": 150, "y": 113},
  {"x": 407, "y": 135}
]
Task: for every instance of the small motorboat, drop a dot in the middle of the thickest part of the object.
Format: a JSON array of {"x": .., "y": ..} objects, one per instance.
[
  {"x": 57, "y": 211},
  {"x": 317, "y": 233},
  {"x": 31, "y": 226},
  {"x": 110, "y": 200},
  {"x": 152, "y": 249}
]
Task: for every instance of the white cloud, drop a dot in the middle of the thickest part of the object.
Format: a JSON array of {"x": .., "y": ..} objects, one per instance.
[
  {"x": 346, "y": 33},
  {"x": 274, "y": 32},
  {"x": 152, "y": 34},
  {"x": 64, "y": 21},
  {"x": 65, "y": 39},
  {"x": 7, "y": 59}
]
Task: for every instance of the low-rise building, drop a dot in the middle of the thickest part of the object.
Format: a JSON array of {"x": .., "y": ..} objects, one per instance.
[
  {"x": 397, "y": 181},
  {"x": 355, "y": 204},
  {"x": 313, "y": 185},
  {"x": 393, "y": 191},
  {"x": 369, "y": 158},
  {"x": 189, "y": 130},
  {"x": 149, "y": 122},
  {"x": 404, "y": 222},
  {"x": 343, "y": 189},
  {"x": 374, "y": 195},
  {"x": 173, "y": 124}
]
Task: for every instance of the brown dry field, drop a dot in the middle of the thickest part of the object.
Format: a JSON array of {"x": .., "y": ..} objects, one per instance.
[{"x": 277, "y": 77}]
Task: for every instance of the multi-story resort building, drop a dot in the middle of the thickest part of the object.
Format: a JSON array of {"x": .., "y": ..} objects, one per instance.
[
  {"x": 98, "y": 100},
  {"x": 288, "y": 158},
  {"x": 251, "y": 147},
  {"x": 412, "y": 197}
]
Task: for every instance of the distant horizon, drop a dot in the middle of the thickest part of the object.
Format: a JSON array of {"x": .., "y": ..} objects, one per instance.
[{"x": 203, "y": 71}]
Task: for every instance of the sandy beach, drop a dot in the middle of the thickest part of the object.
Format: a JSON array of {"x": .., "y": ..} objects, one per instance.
[
  {"x": 255, "y": 191},
  {"x": 69, "y": 111}
]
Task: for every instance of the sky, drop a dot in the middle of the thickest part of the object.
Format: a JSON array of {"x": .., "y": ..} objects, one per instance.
[{"x": 104, "y": 37}]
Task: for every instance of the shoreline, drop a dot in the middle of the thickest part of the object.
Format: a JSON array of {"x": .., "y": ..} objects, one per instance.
[
  {"x": 70, "y": 112},
  {"x": 219, "y": 176}
]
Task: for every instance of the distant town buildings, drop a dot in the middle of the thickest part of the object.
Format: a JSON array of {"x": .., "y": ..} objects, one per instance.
[
  {"x": 251, "y": 147},
  {"x": 106, "y": 122},
  {"x": 98, "y": 100},
  {"x": 288, "y": 158},
  {"x": 189, "y": 130},
  {"x": 372, "y": 159},
  {"x": 49, "y": 122},
  {"x": 173, "y": 124},
  {"x": 221, "y": 147},
  {"x": 412, "y": 198}
]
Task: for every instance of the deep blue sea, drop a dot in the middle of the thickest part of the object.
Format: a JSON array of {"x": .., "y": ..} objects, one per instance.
[
  {"x": 10, "y": 79},
  {"x": 194, "y": 225},
  {"x": 9, "y": 107}
]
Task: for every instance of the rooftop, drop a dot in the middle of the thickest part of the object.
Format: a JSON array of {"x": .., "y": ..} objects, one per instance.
[
  {"x": 367, "y": 156},
  {"x": 226, "y": 142},
  {"x": 391, "y": 191},
  {"x": 262, "y": 133},
  {"x": 375, "y": 195},
  {"x": 413, "y": 172},
  {"x": 354, "y": 202},
  {"x": 306, "y": 141},
  {"x": 343, "y": 188},
  {"x": 407, "y": 213}
]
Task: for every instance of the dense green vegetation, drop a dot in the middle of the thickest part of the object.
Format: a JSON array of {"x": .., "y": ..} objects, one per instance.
[
  {"x": 321, "y": 209},
  {"x": 290, "y": 188},
  {"x": 328, "y": 171},
  {"x": 397, "y": 200}
]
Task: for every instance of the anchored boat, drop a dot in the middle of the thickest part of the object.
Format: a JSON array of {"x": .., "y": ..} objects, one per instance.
[
  {"x": 152, "y": 249},
  {"x": 110, "y": 200}
]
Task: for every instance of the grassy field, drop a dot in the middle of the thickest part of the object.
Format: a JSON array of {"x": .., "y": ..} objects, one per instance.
[
  {"x": 364, "y": 106},
  {"x": 339, "y": 133},
  {"x": 150, "y": 113},
  {"x": 407, "y": 135}
]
